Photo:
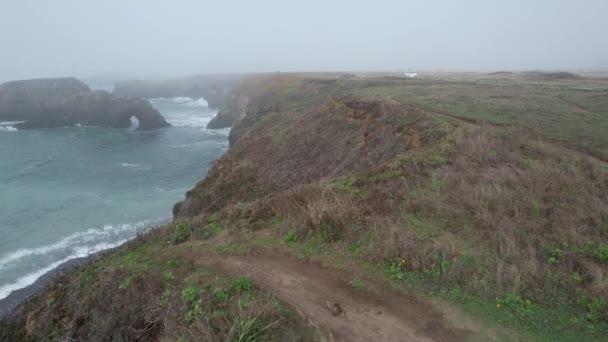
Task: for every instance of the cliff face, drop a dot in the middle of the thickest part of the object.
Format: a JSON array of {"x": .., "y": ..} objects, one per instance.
[
  {"x": 213, "y": 88},
  {"x": 98, "y": 108},
  {"x": 257, "y": 96},
  {"x": 294, "y": 131},
  {"x": 29, "y": 99},
  {"x": 234, "y": 109}
]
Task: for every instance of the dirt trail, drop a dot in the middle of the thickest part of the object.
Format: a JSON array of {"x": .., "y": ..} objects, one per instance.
[{"x": 325, "y": 298}]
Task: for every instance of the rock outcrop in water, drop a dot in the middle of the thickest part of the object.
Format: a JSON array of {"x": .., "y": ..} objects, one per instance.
[
  {"x": 234, "y": 110},
  {"x": 213, "y": 88},
  {"x": 29, "y": 99},
  {"x": 48, "y": 103},
  {"x": 239, "y": 102}
]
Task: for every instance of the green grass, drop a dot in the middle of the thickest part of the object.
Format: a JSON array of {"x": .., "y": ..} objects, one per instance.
[
  {"x": 528, "y": 320},
  {"x": 580, "y": 120},
  {"x": 425, "y": 226},
  {"x": 291, "y": 236},
  {"x": 242, "y": 284},
  {"x": 536, "y": 322},
  {"x": 198, "y": 302},
  {"x": 357, "y": 284}
]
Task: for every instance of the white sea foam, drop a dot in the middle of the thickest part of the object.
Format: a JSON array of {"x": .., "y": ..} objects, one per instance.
[
  {"x": 198, "y": 103},
  {"x": 189, "y": 120},
  {"x": 73, "y": 241},
  {"x": 77, "y": 245},
  {"x": 7, "y": 126},
  {"x": 186, "y": 118},
  {"x": 180, "y": 99},
  {"x": 134, "y": 123},
  {"x": 187, "y": 101},
  {"x": 135, "y": 166},
  {"x": 31, "y": 278},
  {"x": 220, "y": 131}
]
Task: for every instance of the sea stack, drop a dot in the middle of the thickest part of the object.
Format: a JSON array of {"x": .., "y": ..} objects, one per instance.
[{"x": 65, "y": 102}]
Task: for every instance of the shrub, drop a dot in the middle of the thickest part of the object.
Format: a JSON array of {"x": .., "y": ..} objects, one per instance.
[
  {"x": 601, "y": 253},
  {"x": 181, "y": 232},
  {"x": 396, "y": 269},
  {"x": 220, "y": 294},
  {"x": 242, "y": 284},
  {"x": 291, "y": 237},
  {"x": 596, "y": 309},
  {"x": 357, "y": 283},
  {"x": 168, "y": 276},
  {"x": 576, "y": 277},
  {"x": 514, "y": 302},
  {"x": 555, "y": 253},
  {"x": 125, "y": 283},
  {"x": 214, "y": 225},
  {"x": 190, "y": 294},
  {"x": 192, "y": 298}
]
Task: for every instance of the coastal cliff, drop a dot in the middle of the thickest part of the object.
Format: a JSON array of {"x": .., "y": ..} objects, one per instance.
[
  {"x": 364, "y": 187},
  {"x": 49, "y": 103}
]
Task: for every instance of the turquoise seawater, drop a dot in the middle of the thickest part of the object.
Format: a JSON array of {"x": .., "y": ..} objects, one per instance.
[{"x": 69, "y": 192}]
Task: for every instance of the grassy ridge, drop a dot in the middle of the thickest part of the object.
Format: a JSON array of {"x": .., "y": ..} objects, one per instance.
[
  {"x": 151, "y": 290},
  {"x": 482, "y": 211},
  {"x": 372, "y": 176},
  {"x": 578, "y": 118}
]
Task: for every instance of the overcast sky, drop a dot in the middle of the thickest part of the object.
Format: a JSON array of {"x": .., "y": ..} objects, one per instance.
[{"x": 145, "y": 37}]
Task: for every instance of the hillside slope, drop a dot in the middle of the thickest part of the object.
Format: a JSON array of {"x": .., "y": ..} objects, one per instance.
[{"x": 398, "y": 197}]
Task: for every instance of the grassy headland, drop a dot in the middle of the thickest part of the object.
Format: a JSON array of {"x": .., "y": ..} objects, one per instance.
[{"x": 490, "y": 201}]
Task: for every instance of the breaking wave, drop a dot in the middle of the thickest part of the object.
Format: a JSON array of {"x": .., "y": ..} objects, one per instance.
[
  {"x": 35, "y": 262},
  {"x": 187, "y": 101},
  {"x": 197, "y": 114},
  {"x": 7, "y": 126}
]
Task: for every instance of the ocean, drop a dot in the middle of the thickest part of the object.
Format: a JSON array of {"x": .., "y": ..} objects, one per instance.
[{"x": 68, "y": 192}]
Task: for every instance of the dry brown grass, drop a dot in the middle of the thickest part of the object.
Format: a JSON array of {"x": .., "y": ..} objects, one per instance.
[
  {"x": 483, "y": 207},
  {"x": 321, "y": 210},
  {"x": 496, "y": 209}
]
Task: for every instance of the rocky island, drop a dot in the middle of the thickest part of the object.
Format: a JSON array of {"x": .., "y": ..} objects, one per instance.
[{"x": 64, "y": 102}]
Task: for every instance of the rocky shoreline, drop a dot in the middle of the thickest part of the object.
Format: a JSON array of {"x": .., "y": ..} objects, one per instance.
[{"x": 12, "y": 303}]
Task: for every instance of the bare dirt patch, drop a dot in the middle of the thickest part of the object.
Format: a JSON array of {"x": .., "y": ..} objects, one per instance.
[{"x": 326, "y": 300}]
